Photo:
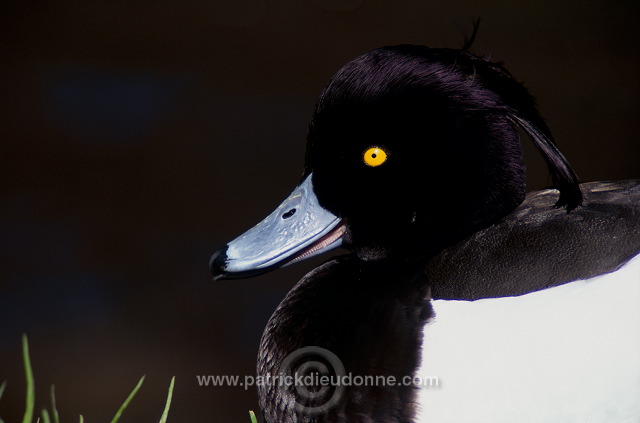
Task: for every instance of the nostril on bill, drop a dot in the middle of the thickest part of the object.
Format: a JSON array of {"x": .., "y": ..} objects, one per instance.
[{"x": 289, "y": 214}]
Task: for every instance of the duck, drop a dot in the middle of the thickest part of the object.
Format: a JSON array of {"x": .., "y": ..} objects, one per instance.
[{"x": 459, "y": 296}]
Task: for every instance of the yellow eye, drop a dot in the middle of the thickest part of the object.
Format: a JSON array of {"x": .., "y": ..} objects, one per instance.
[{"x": 374, "y": 156}]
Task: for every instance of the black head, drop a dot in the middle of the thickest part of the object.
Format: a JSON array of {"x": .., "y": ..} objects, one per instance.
[
  {"x": 409, "y": 149},
  {"x": 446, "y": 120}
]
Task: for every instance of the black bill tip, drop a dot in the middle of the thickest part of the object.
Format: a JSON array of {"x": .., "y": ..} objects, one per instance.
[
  {"x": 219, "y": 266},
  {"x": 218, "y": 263}
]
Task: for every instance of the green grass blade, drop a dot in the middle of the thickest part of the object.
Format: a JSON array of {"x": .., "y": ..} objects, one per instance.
[
  {"x": 165, "y": 413},
  {"x": 127, "y": 401},
  {"x": 54, "y": 410},
  {"x": 31, "y": 393},
  {"x": 4, "y": 385},
  {"x": 81, "y": 419},
  {"x": 252, "y": 415},
  {"x": 45, "y": 416}
]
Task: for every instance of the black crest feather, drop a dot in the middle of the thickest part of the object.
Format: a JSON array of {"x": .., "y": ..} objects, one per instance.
[
  {"x": 468, "y": 41},
  {"x": 564, "y": 178},
  {"x": 520, "y": 107}
]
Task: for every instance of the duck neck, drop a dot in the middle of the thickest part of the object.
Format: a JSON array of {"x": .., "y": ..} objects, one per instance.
[
  {"x": 414, "y": 244},
  {"x": 360, "y": 323}
]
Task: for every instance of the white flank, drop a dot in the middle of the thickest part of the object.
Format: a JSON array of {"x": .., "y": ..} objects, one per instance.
[{"x": 565, "y": 354}]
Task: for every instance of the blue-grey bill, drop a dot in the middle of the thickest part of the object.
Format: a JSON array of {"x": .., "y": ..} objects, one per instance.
[{"x": 299, "y": 228}]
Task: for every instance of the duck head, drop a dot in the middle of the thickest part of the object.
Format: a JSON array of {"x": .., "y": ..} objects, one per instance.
[{"x": 409, "y": 149}]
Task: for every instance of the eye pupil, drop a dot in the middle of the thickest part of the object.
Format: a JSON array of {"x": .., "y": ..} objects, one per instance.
[{"x": 374, "y": 155}]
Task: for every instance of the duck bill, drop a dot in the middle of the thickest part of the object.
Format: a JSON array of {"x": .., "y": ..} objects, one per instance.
[{"x": 298, "y": 229}]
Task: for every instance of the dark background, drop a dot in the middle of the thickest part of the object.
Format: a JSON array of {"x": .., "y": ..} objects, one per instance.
[{"x": 138, "y": 136}]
